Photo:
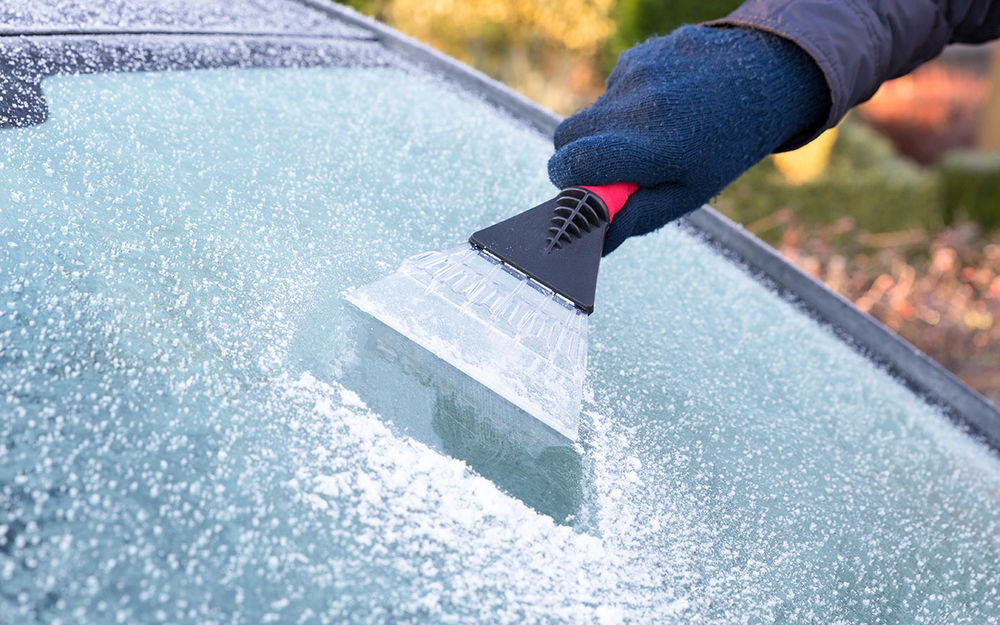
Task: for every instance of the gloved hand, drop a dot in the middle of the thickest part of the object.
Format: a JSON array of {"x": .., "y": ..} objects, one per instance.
[{"x": 684, "y": 115}]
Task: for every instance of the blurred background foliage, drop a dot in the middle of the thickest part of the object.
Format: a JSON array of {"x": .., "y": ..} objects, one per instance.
[
  {"x": 637, "y": 20},
  {"x": 557, "y": 52},
  {"x": 897, "y": 209}
]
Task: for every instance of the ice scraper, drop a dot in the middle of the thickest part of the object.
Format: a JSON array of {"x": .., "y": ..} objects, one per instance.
[{"x": 510, "y": 308}]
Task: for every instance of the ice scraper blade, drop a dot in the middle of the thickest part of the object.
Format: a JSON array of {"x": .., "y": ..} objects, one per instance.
[{"x": 510, "y": 308}]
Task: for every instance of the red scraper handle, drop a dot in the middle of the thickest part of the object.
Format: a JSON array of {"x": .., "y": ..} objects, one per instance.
[
  {"x": 614, "y": 196},
  {"x": 558, "y": 243}
]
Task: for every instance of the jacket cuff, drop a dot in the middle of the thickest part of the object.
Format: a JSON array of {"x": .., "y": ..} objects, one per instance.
[{"x": 802, "y": 31}]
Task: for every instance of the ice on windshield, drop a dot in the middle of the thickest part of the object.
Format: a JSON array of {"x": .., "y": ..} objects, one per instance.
[
  {"x": 198, "y": 429},
  {"x": 254, "y": 16}
]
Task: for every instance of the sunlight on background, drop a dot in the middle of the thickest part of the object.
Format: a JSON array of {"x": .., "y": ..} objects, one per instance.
[
  {"x": 808, "y": 162},
  {"x": 549, "y": 51}
]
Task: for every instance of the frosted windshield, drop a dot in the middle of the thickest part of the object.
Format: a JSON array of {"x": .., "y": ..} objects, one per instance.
[
  {"x": 245, "y": 16},
  {"x": 196, "y": 428}
]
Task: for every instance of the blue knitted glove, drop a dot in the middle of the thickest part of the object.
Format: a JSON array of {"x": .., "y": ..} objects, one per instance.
[{"x": 684, "y": 115}]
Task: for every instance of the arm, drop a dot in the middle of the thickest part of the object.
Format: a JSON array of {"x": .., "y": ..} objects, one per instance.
[
  {"x": 859, "y": 44},
  {"x": 685, "y": 114}
]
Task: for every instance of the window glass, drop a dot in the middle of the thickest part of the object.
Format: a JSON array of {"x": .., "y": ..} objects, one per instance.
[{"x": 197, "y": 428}]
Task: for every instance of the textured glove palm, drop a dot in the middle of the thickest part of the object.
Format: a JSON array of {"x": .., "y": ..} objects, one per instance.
[{"x": 684, "y": 115}]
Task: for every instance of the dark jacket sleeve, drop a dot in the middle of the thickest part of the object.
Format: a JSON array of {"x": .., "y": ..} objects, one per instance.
[{"x": 861, "y": 43}]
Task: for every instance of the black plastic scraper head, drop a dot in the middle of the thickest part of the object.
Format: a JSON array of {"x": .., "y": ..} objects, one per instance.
[{"x": 557, "y": 243}]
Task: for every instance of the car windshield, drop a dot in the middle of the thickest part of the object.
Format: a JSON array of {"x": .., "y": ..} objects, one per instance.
[{"x": 197, "y": 428}]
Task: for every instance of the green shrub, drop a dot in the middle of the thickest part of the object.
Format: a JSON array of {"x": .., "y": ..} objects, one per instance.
[
  {"x": 865, "y": 180},
  {"x": 970, "y": 187},
  {"x": 640, "y": 19}
]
